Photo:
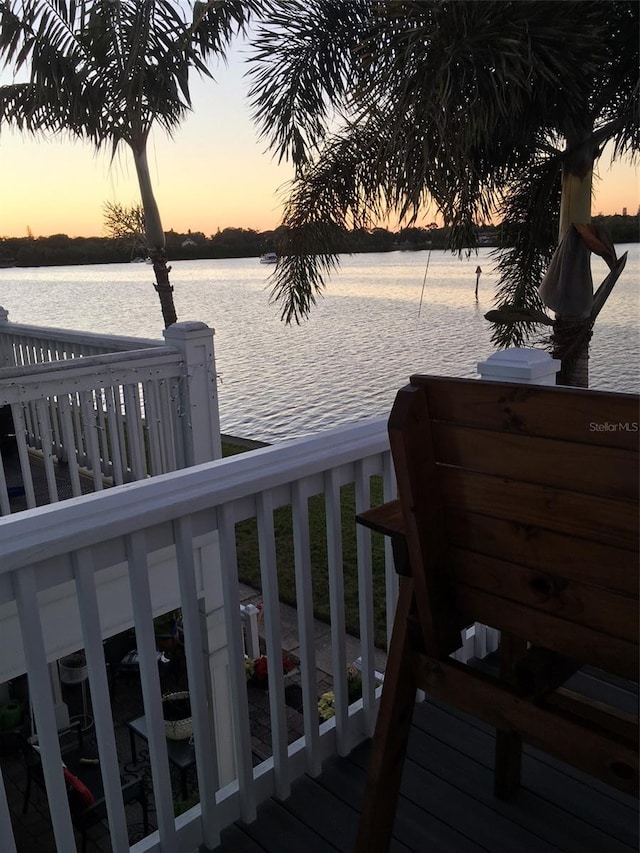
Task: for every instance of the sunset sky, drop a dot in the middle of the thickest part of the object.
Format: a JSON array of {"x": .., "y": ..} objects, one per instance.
[{"x": 215, "y": 173}]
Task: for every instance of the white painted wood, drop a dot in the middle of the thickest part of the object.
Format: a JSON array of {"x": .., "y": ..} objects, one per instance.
[
  {"x": 304, "y": 601},
  {"x": 100, "y": 699},
  {"x": 526, "y": 365},
  {"x": 249, "y": 615},
  {"x": 44, "y": 430},
  {"x": 237, "y": 677},
  {"x": 72, "y": 340},
  {"x": 43, "y": 707},
  {"x": 198, "y": 397},
  {"x": 152, "y": 431},
  {"x": 273, "y": 641},
  {"x": 150, "y": 683},
  {"x": 115, "y": 423},
  {"x": 336, "y": 605},
  {"x": 185, "y": 502},
  {"x": 23, "y": 454},
  {"x": 365, "y": 598},
  {"x": 133, "y": 432},
  {"x": 5, "y": 506},
  {"x": 66, "y": 428},
  {"x": 206, "y": 757},
  {"x": 88, "y": 415},
  {"x": 390, "y": 492}
]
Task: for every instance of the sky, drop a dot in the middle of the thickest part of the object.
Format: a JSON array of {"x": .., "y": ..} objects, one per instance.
[{"x": 214, "y": 173}]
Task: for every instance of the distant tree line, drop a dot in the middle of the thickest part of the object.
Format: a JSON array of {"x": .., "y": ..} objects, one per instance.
[{"x": 59, "y": 249}]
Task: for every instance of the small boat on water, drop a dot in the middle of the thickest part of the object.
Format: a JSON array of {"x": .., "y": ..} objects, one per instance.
[{"x": 269, "y": 258}]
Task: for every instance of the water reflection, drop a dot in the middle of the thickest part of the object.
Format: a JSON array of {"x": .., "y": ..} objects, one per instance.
[{"x": 361, "y": 343}]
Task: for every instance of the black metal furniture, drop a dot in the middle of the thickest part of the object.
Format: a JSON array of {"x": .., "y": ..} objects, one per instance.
[
  {"x": 84, "y": 770},
  {"x": 181, "y": 753}
]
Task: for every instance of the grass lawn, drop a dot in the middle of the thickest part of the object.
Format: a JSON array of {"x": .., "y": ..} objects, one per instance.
[{"x": 249, "y": 563}]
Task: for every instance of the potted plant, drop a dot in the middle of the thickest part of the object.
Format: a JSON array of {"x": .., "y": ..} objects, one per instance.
[{"x": 176, "y": 710}]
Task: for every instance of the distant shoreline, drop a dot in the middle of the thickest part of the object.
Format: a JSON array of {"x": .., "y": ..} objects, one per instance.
[{"x": 61, "y": 250}]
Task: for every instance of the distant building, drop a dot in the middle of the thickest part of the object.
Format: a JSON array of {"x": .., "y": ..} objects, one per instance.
[
  {"x": 624, "y": 211},
  {"x": 188, "y": 242}
]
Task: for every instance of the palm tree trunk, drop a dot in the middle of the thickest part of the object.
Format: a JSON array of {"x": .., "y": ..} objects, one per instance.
[
  {"x": 570, "y": 344},
  {"x": 571, "y": 335},
  {"x": 155, "y": 237}
]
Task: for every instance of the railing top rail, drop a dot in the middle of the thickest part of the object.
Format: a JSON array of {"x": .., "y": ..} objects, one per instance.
[
  {"x": 49, "y": 531},
  {"x": 91, "y": 363},
  {"x": 117, "y": 343}
]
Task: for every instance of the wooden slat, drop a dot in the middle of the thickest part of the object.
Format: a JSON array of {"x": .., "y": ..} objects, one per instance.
[
  {"x": 584, "y": 746},
  {"x": 525, "y": 409},
  {"x": 580, "y": 642},
  {"x": 546, "y": 550},
  {"x": 549, "y": 592},
  {"x": 583, "y": 516},
  {"x": 569, "y": 465},
  {"x": 624, "y": 725},
  {"x": 386, "y": 519}
]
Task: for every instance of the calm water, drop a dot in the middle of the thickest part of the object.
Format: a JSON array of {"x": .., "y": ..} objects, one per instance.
[{"x": 346, "y": 362}]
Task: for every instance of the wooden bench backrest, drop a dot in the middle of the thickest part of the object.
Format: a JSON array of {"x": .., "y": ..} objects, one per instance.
[{"x": 521, "y": 512}]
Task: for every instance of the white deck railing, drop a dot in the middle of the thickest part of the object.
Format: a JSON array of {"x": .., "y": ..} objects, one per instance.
[
  {"x": 192, "y": 515},
  {"x": 22, "y": 345},
  {"x": 112, "y": 409}
]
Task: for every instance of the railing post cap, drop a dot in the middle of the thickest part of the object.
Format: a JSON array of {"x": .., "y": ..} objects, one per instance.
[
  {"x": 520, "y": 364},
  {"x": 187, "y": 329}
]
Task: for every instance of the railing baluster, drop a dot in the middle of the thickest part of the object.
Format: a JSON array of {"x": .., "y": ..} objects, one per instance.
[
  {"x": 150, "y": 683},
  {"x": 78, "y": 431},
  {"x": 152, "y": 421},
  {"x": 56, "y": 443},
  {"x": 365, "y": 599},
  {"x": 391, "y": 577},
  {"x": 336, "y": 605},
  {"x": 167, "y": 425},
  {"x": 114, "y": 431},
  {"x": 42, "y": 703},
  {"x": 100, "y": 698},
  {"x": 206, "y": 758},
  {"x": 23, "y": 454},
  {"x": 66, "y": 426},
  {"x": 304, "y": 602},
  {"x": 44, "y": 428},
  {"x": 273, "y": 639},
  {"x": 237, "y": 677},
  {"x": 105, "y": 456},
  {"x": 133, "y": 426},
  {"x": 88, "y": 409},
  {"x": 5, "y": 505}
]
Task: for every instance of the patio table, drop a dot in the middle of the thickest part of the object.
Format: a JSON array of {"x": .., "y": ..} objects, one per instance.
[{"x": 181, "y": 753}]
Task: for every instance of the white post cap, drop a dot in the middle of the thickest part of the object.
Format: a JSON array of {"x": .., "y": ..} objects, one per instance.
[{"x": 520, "y": 364}]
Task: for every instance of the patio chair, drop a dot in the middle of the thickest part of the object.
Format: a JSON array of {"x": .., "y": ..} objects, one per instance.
[
  {"x": 518, "y": 509},
  {"x": 121, "y": 658},
  {"x": 83, "y": 781}
]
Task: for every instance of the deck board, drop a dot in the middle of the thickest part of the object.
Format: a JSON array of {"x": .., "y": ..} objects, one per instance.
[{"x": 447, "y": 802}]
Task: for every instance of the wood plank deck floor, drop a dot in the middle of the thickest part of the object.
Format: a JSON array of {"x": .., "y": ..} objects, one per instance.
[{"x": 447, "y": 803}]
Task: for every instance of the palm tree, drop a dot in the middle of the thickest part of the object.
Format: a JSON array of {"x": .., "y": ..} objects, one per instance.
[
  {"x": 478, "y": 107},
  {"x": 108, "y": 71}
]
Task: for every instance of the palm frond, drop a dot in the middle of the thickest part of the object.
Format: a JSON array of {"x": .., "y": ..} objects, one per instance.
[
  {"x": 530, "y": 214},
  {"x": 301, "y": 66}
]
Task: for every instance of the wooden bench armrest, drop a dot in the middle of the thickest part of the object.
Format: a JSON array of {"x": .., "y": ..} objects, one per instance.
[{"x": 388, "y": 520}]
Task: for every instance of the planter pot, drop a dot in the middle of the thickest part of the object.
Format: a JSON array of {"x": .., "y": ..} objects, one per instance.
[
  {"x": 73, "y": 669},
  {"x": 178, "y": 722}
]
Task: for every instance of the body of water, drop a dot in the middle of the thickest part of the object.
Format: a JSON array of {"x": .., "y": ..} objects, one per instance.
[{"x": 361, "y": 343}]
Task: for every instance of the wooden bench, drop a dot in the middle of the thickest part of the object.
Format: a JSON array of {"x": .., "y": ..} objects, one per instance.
[{"x": 518, "y": 509}]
